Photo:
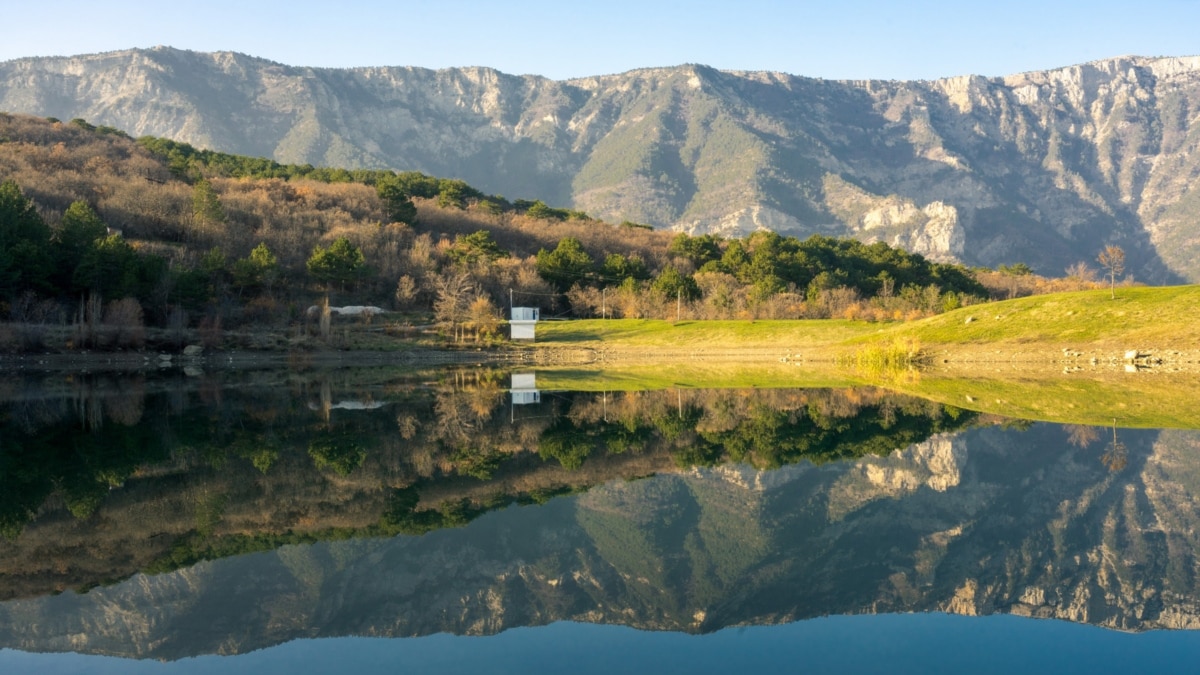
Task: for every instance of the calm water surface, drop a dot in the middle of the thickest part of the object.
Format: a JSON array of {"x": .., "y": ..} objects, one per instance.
[{"x": 284, "y": 522}]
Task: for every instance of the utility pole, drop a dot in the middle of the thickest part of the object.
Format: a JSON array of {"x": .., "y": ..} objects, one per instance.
[
  {"x": 603, "y": 303},
  {"x": 678, "y": 302}
]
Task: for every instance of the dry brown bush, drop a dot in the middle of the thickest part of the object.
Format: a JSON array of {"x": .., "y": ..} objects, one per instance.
[
  {"x": 125, "y": 319},
  {"x": 1003, "y": 286},
  {"x": 524, "y": 236},
  {"x": 264, "y": 310},
  {"x": 127, "y": 406}
]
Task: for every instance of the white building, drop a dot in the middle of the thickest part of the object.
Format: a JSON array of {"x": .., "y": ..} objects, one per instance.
[{"x": 523, "y": 321}]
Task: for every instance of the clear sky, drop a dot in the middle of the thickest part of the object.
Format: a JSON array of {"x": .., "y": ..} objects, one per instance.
[{"x": 837, "y": 39}]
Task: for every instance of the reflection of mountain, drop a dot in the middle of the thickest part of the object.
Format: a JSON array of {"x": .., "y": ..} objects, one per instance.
[
  {"x": 991, "y": 520},
  {"x": 113, "y": 481}
]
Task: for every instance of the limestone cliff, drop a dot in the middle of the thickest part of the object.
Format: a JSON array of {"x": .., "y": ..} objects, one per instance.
[{"x": 1044, "y": 168}]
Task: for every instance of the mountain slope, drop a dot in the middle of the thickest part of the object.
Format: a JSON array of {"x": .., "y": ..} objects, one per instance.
[
  {"x": 1043, "y": 167},
  {"x": 1032, "y": 523}
]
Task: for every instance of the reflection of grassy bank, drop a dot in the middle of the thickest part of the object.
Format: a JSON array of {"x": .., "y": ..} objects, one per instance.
[
  {"x": 1143, "y": 399},
  {"x": 698, "y": 374},
  {"x": 1132, "y": 399}
]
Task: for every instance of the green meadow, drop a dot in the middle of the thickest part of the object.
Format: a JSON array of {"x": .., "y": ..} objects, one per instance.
[{"x": 1031, "y": 333}]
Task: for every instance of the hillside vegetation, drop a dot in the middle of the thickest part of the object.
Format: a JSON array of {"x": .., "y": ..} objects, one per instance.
[{"x": 109, "y": 242}]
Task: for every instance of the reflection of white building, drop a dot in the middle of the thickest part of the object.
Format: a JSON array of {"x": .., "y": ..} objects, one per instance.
[
  {"x": 522, "y": 323},
  {"x": 524, "y": 389}
]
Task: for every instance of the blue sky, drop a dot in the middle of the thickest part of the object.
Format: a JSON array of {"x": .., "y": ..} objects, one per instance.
[{"x": 838, "y": 39}]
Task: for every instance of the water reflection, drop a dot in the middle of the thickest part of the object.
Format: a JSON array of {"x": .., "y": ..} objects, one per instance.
[{"x": 381, "y": 505}]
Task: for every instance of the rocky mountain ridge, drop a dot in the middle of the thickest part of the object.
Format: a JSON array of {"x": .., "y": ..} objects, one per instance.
[
  {"x": 1043, "y": 167},
  {"x": 988, "y": 521}
]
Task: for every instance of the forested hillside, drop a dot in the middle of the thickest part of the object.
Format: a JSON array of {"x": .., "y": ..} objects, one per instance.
[{"x": 101, "y": 230}]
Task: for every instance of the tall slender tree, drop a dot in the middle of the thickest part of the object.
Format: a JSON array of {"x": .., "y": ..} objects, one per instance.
[{"x": 1112, "y": 259}]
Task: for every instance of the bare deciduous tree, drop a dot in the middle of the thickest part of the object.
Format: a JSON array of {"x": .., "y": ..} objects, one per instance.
[
  {"x": 1112, "y": 259},
  {"x": 1081, "y": 272},
  {"x": 1116, "y": 454},
  {"x": 454, "y": 290}
]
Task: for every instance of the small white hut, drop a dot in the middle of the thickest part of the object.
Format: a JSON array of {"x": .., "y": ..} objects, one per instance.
[{"x": 523, "y": 321}]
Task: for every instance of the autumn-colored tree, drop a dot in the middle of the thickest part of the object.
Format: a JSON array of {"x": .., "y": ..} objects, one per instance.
[
  {"x": 483, "y": 317},
  {"x": 1116, "y": 454}
]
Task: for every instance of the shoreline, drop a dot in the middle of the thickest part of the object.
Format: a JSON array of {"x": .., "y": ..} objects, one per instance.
[{"x": 938, "y": 358}]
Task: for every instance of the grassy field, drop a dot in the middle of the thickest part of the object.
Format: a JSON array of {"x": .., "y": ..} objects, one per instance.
[
  {"x": 705, "y": 335},
  {"x": 1149, "y": 317},
  {"x": 736, "y": 354}
]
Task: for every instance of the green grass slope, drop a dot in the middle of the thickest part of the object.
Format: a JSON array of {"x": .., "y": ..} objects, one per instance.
[{"x": 1138, "y": 318}]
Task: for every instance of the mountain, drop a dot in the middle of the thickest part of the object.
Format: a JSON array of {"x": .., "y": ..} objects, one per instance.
[
  {"x": 1043, "y": 168},
  {"x": 988, "y": 521}
]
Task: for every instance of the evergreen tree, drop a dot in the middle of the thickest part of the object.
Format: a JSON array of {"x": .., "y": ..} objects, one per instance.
[
  {"x": 25, "y": 254},
  {"x": 566, "y": 265},
  {"x": 78, "y": 232},
  {"x": 397, "y": 201},
  {"x": 474, "y": 247},
  {"x": 341, "y": 263},
  {"x": 258, "y": 270},
  {"x": 206, "y": 207},
  {"x": 671, "y": 283},
  {"x": 109, "y": 268}
]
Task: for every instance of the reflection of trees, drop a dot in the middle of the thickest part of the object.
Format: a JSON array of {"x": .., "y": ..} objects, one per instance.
[
  {"x": 126, "y": 406},
  {"x": 462, "y": 411},
  {"x": 1081, "y": 436},
  {"x": 764, "y": 428},
  {"x": 81, "y": 463},
  {"x": 340, "y": 450},
  {"x": 1116, "y": 453},
  {"x": 428, "y": 435}
]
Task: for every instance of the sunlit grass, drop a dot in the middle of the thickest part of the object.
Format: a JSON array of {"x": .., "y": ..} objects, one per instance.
[
  {"x": 782, "y": 334},
  {"x": 1160, "y": 317},
  {"x": 1163, "y": 317}
]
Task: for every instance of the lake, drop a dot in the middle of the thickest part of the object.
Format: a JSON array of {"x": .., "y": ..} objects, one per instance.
[{"x": 469, "y": 521}]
